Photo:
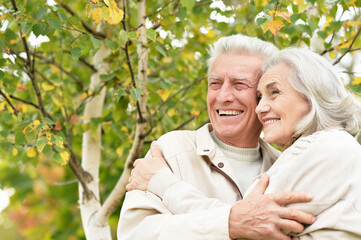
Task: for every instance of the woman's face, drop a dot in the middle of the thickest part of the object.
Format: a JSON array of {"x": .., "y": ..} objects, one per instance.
[{"x": 280, "y": 106}]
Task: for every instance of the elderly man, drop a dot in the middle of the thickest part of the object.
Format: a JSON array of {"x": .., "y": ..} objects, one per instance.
[{"x": 200, "y": 195}]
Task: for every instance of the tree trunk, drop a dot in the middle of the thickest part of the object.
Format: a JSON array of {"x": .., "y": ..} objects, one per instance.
[{"x": 91, "y": 155}]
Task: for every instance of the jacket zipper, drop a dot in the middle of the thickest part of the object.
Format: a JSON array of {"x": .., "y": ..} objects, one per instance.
[{"x": 215, "y": 168}]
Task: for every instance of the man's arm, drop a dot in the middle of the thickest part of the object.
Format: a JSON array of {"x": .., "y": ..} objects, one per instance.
[
  {"x": 257, "y": 216},
  {"x": 143, "y": 216}
]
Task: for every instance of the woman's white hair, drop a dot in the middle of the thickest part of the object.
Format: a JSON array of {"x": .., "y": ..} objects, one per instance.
[
  {"x": 240, "y": 44},
  {"x": 331, "y": 104}
]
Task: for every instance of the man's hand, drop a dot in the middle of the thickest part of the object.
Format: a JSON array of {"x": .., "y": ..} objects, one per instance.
[
  {"x": 263, "y": 216},
  {"x": 145, "y": 168}
]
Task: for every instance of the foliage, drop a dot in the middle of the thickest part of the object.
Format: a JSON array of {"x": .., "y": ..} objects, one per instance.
[{"x": 44, "y": 87}]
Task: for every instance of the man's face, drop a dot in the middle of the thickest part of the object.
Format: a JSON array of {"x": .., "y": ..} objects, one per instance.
[{"x": 231, "y": 99}]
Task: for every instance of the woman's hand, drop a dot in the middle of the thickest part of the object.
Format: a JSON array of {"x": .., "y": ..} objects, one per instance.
[{"x": 145, "y": 168}]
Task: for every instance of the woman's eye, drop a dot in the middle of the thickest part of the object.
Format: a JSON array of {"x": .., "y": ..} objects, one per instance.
[
  {"x": 275, "y": 91},
  {"x": 258, "y": 98}
]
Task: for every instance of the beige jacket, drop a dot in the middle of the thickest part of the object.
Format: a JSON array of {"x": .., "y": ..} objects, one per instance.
[
  {"x": 194, "y": 159},
  {"x": 326, "y": 164}
]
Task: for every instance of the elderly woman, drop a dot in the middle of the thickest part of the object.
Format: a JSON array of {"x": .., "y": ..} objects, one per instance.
[{"x": 305, "y": 109}]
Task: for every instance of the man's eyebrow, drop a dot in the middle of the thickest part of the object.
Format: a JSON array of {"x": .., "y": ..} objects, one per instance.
[{"x": 214, "y": 77}]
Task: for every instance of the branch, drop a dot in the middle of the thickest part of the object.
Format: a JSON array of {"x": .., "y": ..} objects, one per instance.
[
  {"x": 65, "y": 183},
  {"x": 24, "y": 101},
  {"x": 85, "y": 25},
  {"x": 178, "y": 92},
  {"x": 9, "y": 102},
  {"x": 349, "y": 48},
  {"x": 126, "y": 49},
  {"x": 160, "y": 9}
]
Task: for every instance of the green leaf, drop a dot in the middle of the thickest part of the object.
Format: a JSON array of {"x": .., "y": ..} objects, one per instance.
[
  {"x": 295, "y": 17},
  {"x": 96, "y": 43},
  {"x": 182, "y": 12},
  {"x": 161, "y": 51},
  {"x": 7, "y": 116},
  {"x": 49, "y": 121},
  {"x": 123, "y": 38},
  {"x": 322, "y": 34},
  {"x": 30, "y": 134},
  {"x": 112, "y": 45},
  {"x": 41, "y": 142},
  {"x": 75, "y": 52},
  {"x": 106, "y": 77},
  {"x": 40, "y": 13},
  {"x": 189, "y": 4},
  {"x": 260, "y": 21},
  {"x": 4, "y": 133},
  {"x": 136, "y": 93},
  {"x": 132, "y": 35},
  {"x": 151, "y": 34},
  {"x": 19, "y": 137},
  {"x": 59, "y": 141},
  {"x": 47, "y": 149},
  {"x": 55, "y": 23},
  {"x": 1, "y": 74},
  {"x": 336, "y": 25},
  {"x": 38, "y": 29},
  {"x": 26, "y": 27}
]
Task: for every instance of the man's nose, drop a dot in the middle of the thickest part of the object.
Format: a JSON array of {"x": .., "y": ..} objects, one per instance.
[{"x": 226, "y": 93}]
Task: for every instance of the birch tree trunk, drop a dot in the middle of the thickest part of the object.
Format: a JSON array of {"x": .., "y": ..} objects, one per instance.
[
  {"x": 91, "y": 147},
  {"x": 117, "y": 193}
]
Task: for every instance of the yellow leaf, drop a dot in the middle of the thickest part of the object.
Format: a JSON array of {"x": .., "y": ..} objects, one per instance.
[
  {"x": 273, "y": 13},
  {"x": 332, "y": 55},
  {"x": 299, "y": 2},
  {"x": 195, "y": 113},
  {"x": 354, "y": 23},
  {"x": 124, "y": 129},
  {"x": 15, "y": 151},
  {"x": 171, "y": 112},
  {"x": 20, "y": 87},
  {"x": 164, "y": 94},
  {"x": 54, "y": 69},
  {"x": 14, "y": 41},
  {"x": 82, "y": 96},
  {"x": 274, "y": 26},
  {"x": 2, "y": 105},
  {"x": 47, "y": 87},
  {"x": 24, "y": 108},
  {"x": 167, "y": 60},
  {"x": 115, "y": 14},
  {"x": 188, "y": 55},
  {"x": 97, "y": 15},
  {"x": 285, "y": 15},
  {"x": 264, "y": 27},
  {"x": 65, "y": 157},
  {"x": 93, "y": 1},
  {"x": 2, "y": 17},
  {"x": 210, "y": 34},
  {"x": 31, "y": 153},
  {"x": 260, "y": 3},
  {"x": 36, "y": 122},
  {"x": 119, "y": 151},
  {"x": 356, "y": 81}
]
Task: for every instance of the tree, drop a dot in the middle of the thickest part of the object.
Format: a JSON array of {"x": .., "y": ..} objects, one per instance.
[{"x": 113, "y": 77}]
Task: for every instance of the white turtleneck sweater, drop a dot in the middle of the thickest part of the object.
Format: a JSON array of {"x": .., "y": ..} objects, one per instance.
[{"x": 246, "y": 162}]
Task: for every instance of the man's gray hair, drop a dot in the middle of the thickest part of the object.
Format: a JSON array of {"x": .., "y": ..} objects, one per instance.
[
  {"x": 240, "y": 44},
  {"x": 331, "y": 104}
]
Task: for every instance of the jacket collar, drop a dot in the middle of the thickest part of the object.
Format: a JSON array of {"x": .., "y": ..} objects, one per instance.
[{"x": 207, "y": 147}]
